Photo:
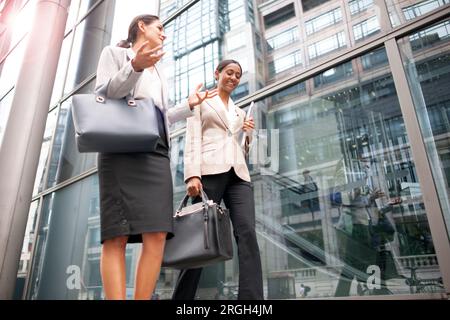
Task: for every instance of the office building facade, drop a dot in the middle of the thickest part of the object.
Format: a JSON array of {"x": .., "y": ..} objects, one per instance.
[{"x": 350, "y": 163}]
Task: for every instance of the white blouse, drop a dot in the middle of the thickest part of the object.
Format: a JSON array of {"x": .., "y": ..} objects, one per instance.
[
  {"x": 231, "y": 113},
  {"x": 151, "y": 76}
]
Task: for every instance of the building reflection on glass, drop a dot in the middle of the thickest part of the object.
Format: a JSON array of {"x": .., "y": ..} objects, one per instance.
[{"x": 343, "y": 135}]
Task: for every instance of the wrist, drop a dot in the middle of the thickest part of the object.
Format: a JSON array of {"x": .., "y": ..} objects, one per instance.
[
  {"x": 193, "y": 179},
  {"x": 135, "y": 67},
  {"x": 190, "y": 104}
]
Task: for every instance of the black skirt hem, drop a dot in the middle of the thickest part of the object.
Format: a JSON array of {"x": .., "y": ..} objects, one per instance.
[{"x": 134, "y": 236}]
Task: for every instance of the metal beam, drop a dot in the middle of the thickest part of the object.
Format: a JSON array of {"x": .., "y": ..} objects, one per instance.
[
  {"x": 424, "y": 172},
  {"x": 20, "y": 150}
]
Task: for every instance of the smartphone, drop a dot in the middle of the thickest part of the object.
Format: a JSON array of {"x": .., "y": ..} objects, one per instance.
[
  {"x": 250, "y": 111},
  {"x": 248, "y": 115}
]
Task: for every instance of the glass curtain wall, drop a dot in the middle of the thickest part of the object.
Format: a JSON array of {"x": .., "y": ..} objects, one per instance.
[
  {"x": 426, "y": 56},
  {"x": 340, "y": 209},
  {"x": 16, "y": 19}
]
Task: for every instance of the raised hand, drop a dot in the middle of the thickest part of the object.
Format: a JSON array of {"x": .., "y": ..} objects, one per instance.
[
  {"x": 199, "y": 96},
  {"x": 146, "y": 57}
]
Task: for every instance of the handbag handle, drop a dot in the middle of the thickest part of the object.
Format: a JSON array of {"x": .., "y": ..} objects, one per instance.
[
  {"x": 205, "y": 215},
  {"x": 184, "y": 202},
  {"x": 101, "y": 93}
]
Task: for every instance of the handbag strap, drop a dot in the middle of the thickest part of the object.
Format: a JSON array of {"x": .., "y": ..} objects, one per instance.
[
  {"x": 101, "y": 94},
  {"x": 205, "y": 215},
  {"x": 184, "y": 201}
]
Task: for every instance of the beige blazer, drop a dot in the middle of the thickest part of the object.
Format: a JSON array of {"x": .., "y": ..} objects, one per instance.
[
  {"x": 115, "y": 66},
  {"x": 212, "y": 147}
]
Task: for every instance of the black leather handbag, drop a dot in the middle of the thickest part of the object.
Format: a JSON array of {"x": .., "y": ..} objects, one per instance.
[
  {"x": 114, "y": 125},
  {"x": 202, "y": 235}
]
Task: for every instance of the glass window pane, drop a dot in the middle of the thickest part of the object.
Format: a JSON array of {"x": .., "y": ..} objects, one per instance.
[
  {"x": 27, "y": 246},
  {"x": 66, "y": 161},
  {"x": 11, "y": 67},
  {"x": 73, "y": 14},
  {"x": 45, "y": 150},
  {"x": 79, "y": 9},
  {"x": 332, "y": 75},
  {"x": 168, "y": 7},
  {"x": 240, "y": 92},
  {"x": 5, "y": 107},
  {"x": 279, "y": 16},
  {"x": 236, "y": 13},
  {"x": 324, "y": 20},
  {"x": 327, "y": 45},
  {"x": 191, "y": 56},
  {"x": 334, "y": 160},
  {"x": 375, "y": 58},
  {"x": 177, "y": 165},
  {"x": 357, "y": 6},
  {"x": 68, "y": 244},
  {"x": 426, "y": 57},
  {"x": 401, "y": 12},
  {"x": 61, "y": 72},
  {"x": 91, "y": 36},
  {"x": 311, "y": 4},
  {"x": 106, "y": 24},
  {"x": 329, "y": 27},
  {"x": 283, "y": 39},
  {"x": 284, "y": 63},
  {"x": 430, "y": 37},
  {"x": 366, "y": 28}
]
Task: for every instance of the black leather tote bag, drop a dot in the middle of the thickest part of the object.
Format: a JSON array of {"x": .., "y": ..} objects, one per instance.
[
  {"x": 202, "y": 235},
  {"x": 114, "y": 125}
]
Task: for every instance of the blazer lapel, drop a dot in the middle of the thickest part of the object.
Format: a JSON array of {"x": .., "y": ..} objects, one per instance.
[
  {"x": 130, "y": 56},
  {"x": 163, "y": 81},
  {"x": 218, "y": 107},
  {"x": 239, "y": 120}
]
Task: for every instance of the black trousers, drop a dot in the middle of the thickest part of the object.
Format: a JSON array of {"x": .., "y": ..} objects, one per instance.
[{"x": 237, "y": 195}]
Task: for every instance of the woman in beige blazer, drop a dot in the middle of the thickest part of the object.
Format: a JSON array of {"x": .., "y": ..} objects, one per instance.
[
  {"x": 136, "y": 196},
  {"x": 214, "y": 161}
]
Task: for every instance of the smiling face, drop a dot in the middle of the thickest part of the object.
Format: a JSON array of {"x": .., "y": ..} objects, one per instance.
[
  {"x": 229, "y": 78},
  {"x": 153, "y": 33}
]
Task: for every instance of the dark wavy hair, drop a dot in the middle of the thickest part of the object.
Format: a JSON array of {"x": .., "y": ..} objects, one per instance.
[
  {"x": 224, "y": 63},
  {"x": 134, "y": 28}
]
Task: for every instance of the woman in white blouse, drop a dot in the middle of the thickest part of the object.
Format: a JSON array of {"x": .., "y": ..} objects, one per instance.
[{"x": 136, "y": 196}]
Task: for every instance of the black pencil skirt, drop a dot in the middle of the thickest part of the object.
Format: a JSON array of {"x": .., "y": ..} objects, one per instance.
[{"x": 136, "y": 195}]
